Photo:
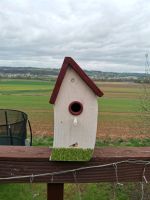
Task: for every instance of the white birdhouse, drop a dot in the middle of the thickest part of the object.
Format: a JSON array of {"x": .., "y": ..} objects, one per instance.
[{"x": 75, "y": 113}]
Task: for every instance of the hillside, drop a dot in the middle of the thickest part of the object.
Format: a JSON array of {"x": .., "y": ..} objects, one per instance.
[{"x": 46, "y": 73}]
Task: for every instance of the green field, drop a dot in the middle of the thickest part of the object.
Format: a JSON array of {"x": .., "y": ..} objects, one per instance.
[{"x": 118, "y": 108}]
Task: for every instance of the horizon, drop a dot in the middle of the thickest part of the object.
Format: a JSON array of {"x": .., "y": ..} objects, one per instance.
[{"x": 55, "y": 68}]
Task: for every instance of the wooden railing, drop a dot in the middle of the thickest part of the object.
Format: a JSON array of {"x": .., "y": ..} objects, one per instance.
[{"x": 109, "y": 164}]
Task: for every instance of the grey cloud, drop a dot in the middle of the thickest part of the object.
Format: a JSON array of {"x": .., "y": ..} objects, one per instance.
[{"x": 108, "y": 35}]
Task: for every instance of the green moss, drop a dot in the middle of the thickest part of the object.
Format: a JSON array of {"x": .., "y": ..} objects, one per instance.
[{"x": 71, "y": 154}]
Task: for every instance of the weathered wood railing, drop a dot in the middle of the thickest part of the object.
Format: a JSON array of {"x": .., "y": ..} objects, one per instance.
[{"x": 32, "y": 161}]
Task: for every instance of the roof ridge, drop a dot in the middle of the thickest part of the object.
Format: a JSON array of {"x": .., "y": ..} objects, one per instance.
[{"x": 68, "y": 61}]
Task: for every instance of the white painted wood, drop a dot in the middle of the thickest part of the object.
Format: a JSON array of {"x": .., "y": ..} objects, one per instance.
[{"x": 70, "y": 129}]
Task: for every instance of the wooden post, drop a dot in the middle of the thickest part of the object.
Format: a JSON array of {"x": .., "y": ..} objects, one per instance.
[{"x": 55, "y": 191}]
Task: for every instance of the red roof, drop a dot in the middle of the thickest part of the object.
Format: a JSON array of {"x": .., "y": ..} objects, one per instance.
[{"x": 69, "y": 62}]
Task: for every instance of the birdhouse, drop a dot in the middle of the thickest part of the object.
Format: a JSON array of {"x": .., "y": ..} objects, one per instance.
[{"x": 75, "y": 113}]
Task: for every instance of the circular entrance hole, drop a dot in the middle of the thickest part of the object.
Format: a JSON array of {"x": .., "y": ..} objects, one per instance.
[{"x": 75, "y": 108}]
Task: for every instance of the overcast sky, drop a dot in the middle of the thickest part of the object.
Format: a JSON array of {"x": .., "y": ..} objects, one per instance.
[{"x": 106, "y": 35}]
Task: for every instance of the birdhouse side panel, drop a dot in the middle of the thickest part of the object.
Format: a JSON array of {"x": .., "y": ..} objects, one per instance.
[{"x": 75, "y": 128}]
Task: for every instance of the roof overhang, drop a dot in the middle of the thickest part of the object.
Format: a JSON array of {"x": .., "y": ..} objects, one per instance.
[{"x": 69, "y": 62}]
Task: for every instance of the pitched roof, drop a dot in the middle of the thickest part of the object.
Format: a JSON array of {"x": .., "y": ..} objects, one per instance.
[{"x": 69, "y": 62}]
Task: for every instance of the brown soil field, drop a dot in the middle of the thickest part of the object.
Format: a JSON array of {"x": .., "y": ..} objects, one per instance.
[
  {"x": 113, "y": 124},
  {"x": 117, "y": 129}
]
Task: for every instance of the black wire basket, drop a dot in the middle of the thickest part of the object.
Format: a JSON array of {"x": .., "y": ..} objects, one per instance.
[{"x": 13, "y": 128}]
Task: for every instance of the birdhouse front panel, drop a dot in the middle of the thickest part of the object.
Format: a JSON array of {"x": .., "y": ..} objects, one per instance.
[{"x": 75, "y": 114}]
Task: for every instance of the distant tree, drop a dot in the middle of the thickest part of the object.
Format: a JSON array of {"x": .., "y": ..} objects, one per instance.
[{"x": 145, "y": 100}]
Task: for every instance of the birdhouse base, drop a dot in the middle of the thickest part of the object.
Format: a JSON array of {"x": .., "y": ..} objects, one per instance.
[{"x": 71, "y": 154}]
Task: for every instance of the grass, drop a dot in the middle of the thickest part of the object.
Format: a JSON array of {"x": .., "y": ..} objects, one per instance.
[
  {"x": 124, "y": 143},
  {"x": 31, "y": 90},
  {"x": 117, "y": 105},
  {"x": 100, "y": 191},
  {"x": 71, "y": 154},
  {"x": 48, "y": 141},
  {"x": 23, "y": 191}
]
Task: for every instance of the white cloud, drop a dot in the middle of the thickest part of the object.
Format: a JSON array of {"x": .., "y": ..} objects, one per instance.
[{"x": 108, "y": 35}]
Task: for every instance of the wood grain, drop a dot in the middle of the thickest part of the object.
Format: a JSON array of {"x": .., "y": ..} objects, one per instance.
[
  {"x": 55, "y": 191},
  {"x": 18, "y": 161}
]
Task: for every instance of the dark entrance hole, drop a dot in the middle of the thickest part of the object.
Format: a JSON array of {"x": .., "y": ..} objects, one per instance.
[{"x": 75, "y": 108}]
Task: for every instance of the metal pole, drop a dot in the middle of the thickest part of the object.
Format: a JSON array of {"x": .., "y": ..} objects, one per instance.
[
  {"x": 9, "y": 133},
  {"x": 55, "y": 191},
  {"x": 7, "y": 122}
]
